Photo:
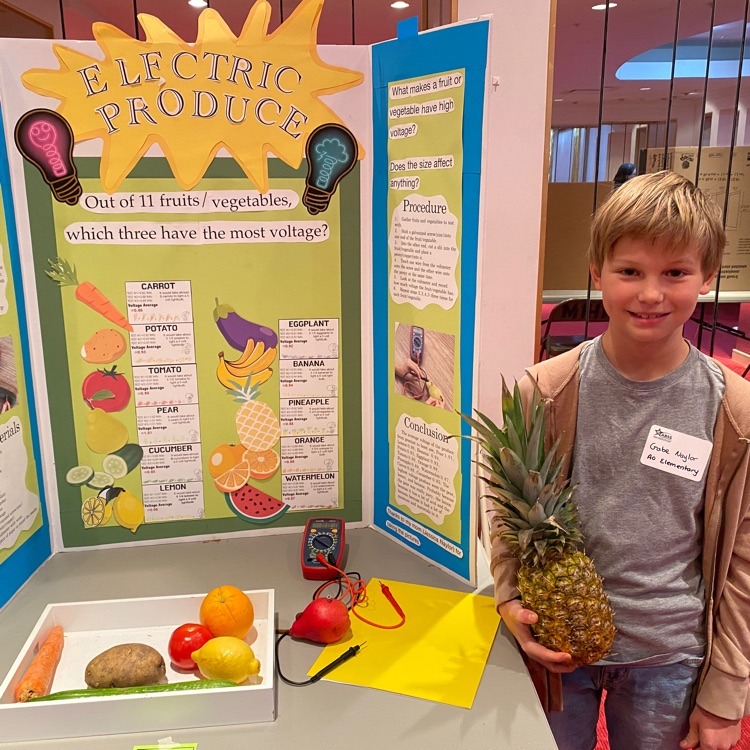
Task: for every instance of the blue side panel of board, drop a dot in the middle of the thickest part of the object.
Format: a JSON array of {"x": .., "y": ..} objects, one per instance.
[
  {"x": 412, "y": 56},
  {"x": 33, "y": 551}
]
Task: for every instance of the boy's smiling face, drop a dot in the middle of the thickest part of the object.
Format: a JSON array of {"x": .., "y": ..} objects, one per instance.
[{"x": 649, "y": 290}]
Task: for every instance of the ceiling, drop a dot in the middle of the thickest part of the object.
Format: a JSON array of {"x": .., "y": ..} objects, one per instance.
[
  {"x": 633, "y": 27},
  {"x": 342, "y": 21}
]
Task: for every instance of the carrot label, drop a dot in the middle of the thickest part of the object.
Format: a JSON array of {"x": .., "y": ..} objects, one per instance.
[{"x": 64, "y": 274}]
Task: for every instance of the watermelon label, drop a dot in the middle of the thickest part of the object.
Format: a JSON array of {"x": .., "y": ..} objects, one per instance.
[{"x": 255, "y": 506}]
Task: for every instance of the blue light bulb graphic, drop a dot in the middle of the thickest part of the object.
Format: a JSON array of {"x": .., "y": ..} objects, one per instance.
[{"x": 331, "y": 152}]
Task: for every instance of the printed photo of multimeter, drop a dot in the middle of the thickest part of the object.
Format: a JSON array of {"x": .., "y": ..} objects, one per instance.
[
  {"x": 322, "y": 536},
  {"x": 417, "y": 344}
]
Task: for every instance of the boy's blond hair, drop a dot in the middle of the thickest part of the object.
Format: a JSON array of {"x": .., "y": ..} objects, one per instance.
[{"x": 659, "y": 205}]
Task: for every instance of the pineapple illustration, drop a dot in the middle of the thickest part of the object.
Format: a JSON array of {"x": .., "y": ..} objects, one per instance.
[
  {"x": 257, "y": 425},
  {"x": 540, "y": 524}
]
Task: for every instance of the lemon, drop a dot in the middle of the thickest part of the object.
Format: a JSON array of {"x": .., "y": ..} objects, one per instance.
[
  {"x": 128, "y": 510},
  {"x": 226, "y": 658},
  {"x": 93, "y": 512}
]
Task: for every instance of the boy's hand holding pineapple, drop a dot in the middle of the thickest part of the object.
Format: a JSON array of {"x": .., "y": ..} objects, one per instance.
[{"x": 562, "y": 598}]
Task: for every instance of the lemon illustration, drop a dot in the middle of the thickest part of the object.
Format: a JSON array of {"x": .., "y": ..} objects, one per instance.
[
  {"x": 128, "y": 510},
  {"x": 226, "y": 658},
  {"x": 93, "y": 512}
]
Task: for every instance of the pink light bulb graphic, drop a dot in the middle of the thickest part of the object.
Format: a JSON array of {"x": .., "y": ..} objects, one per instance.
[{"x": 45, "y": 139}]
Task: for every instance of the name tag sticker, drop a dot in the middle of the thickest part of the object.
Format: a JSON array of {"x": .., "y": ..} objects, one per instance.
[{"x": 676, "y": 453}]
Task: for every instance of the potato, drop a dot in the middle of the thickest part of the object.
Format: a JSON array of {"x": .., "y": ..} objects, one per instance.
[{"x": 127, "y": 665}]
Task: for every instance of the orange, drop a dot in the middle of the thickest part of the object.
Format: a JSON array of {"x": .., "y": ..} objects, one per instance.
[
  {"x": 227, "y": 611},
  {"x": 234, "y": 478},
  {"x": 263, "y": 464},
  {"x": 223, "y": 458}
]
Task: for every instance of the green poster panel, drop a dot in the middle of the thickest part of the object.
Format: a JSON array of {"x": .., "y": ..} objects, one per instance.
[{"x": 202, "y": 352}]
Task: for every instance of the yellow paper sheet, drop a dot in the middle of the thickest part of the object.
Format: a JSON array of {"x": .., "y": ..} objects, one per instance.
[{"x": 438, "y": 654}]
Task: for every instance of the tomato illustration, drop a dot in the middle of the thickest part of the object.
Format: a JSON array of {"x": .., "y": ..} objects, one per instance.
[
  {"x": 184, "y": 641},
  {"x": 106, "y": 389}
]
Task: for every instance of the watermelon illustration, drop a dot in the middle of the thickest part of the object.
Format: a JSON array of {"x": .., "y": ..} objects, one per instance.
[{"x": 254, "y": 505}]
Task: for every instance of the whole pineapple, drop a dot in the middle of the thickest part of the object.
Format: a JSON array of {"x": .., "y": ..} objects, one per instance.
[
  {"x": 257, "y": 425},
  {"x": 540, "y": 525}
]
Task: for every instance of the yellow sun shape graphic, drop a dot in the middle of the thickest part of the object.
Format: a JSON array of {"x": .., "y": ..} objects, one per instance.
[{"x": 252, "y": 94}]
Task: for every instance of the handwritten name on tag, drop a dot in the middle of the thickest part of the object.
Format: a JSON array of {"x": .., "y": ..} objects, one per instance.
[{"x": 676, "y": 453}]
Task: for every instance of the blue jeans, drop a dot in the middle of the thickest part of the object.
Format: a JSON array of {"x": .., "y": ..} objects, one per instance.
[{"x": 647, "y": 708}]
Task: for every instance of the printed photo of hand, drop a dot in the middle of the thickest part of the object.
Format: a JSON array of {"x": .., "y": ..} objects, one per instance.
[
  {"x": 424, "y": 365},
  {"x": 408, "y": 369}
]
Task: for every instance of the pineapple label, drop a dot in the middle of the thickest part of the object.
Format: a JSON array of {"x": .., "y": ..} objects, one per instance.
[
  {"x": 165, "y": 383},
  {"x": 676, "y": 453},
  {"x": 18, "y": 506},
  {"x": 425, "y": 464},
  {"x": 309, "y": 372}
]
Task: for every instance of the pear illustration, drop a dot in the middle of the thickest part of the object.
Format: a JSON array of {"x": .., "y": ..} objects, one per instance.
[{"x": 105, "y": 433}]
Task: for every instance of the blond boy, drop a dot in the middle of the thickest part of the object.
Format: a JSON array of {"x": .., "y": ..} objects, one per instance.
[{"x": 658, "y": 440}]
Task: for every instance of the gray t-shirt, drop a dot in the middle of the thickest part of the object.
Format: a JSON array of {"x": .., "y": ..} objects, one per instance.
[{"x": 642, "y": 526}]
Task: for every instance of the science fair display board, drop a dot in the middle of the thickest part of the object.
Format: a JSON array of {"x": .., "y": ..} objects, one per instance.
[{"x": 193, "y": 238}]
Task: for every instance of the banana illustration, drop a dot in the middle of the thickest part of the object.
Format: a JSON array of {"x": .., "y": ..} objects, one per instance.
[
  {"x": 227, "y": 379},
  {"x": 266, "y": 360},
  {"x": 241, "y": 368},
  {"x": 260, "y": 377},
  {"x": 250, "y": 366},
  {"x": 252, "y": 353},
  {"x": 231, "y": 376}
]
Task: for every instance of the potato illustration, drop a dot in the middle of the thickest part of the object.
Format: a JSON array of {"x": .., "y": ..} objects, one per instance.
[{"x": 104, "y": 346}]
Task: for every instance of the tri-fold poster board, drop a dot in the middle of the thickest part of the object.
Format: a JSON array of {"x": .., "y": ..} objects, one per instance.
[{"x": 238, "y": 286}]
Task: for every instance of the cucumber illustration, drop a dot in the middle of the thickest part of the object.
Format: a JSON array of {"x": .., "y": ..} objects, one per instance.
[
  {"x": 100, "y": 480},
  {"x": 123, "y": 461},
  {"x": 79, "y": 475}
]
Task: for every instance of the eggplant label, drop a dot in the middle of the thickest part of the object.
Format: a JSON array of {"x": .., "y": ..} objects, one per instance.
[{"x": 309, "y": 338}]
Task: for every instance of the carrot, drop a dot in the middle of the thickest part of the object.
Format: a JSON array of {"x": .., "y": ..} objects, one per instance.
[
  {"x": 65, "y": 275},
  {"x": 37, "y": 679}
]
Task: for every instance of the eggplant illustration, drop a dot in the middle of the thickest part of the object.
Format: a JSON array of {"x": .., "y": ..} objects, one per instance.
[{"x": 237, "y": 331}]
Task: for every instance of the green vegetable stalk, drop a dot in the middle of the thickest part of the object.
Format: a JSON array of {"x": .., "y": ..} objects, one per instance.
[{"x": 172, "y": 687}]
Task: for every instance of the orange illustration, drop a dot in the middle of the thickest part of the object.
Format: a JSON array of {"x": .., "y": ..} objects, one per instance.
[
  {"x": 263, "y": 464},
  {"x": 223, "y": 458},
  {"x": 233, "y": 478}
]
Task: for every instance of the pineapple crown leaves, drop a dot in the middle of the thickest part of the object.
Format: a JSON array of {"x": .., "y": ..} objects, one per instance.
[
  {"x": 532, "y": 500},
  {"x": 244, "y": 392}
]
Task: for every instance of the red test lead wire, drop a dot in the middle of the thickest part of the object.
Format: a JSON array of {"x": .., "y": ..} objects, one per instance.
[{"x": 357, "y": 592}]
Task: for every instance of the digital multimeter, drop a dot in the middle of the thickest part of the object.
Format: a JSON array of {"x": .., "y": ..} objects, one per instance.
[
  {"x": 417, "y": 344},
  {"x": 322, "y": 536}
]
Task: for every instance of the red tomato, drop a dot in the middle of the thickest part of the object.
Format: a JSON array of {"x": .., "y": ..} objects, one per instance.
[
  {"x": 107, "y": 390},
  {"x": 186, "y": 639}
]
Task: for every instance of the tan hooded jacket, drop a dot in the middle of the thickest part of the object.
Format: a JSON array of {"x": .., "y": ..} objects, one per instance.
[{"x": 724, "y": 684}]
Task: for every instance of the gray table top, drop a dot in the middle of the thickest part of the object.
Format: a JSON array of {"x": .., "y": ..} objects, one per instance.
[{"x": 506, "y": 714}]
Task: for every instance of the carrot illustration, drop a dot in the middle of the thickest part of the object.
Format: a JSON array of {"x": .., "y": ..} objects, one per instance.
[
  {"x": 65, "y": 275},
  {"x": 37, "y": 679}
]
